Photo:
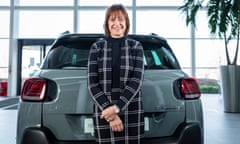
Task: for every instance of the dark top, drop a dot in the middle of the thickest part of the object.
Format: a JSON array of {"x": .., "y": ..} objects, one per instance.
[{"x": 115, "y": 44}]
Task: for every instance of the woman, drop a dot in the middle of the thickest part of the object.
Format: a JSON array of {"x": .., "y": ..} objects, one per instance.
[{"x": 115, "y": 75}]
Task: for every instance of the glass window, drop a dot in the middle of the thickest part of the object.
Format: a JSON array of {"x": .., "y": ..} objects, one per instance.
[
  {"x": 159, "y": 58},
  {"x": 4, "y": 28},
  {"x": 232, "y": 49},
  {"x": 159, "y": 2},
  {"x": 4, "y": 52},
  {"x": 67, "y": 56},
  {"x": 32, "y": 57},
  {"x": 169, "y": 23},
  {"x": 164, "y": 23},
  {"x": 202, "y": 29},
  {"x": 104, "y": 2},
  {"x": 73, "y": 54},
  {"x": 42, "y": 24},
  {"x": 209, "y": 53},
  {"x": 208, "y": 73},
  {"x": 46, "y": 2},
  {"x": 92, "y": 21},
  {"x": 5, "y": 3},
  {"x": 182, "y": 51},
  {"x": 209, "y": 56}
]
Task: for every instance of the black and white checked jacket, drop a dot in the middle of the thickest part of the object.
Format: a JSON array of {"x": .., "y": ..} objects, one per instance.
[{"x": 131, "y": 77}]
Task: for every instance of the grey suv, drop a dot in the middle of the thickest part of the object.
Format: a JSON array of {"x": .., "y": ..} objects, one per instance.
[{"x": 56, "y": 107}]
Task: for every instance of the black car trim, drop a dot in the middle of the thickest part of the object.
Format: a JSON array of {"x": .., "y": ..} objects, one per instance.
[{"x": 185, "y": 134}]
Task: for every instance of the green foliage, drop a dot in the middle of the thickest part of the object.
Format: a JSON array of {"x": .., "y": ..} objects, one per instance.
[
  {"x": 223, "y": 19},
  {"x": 210, "y": 89}
]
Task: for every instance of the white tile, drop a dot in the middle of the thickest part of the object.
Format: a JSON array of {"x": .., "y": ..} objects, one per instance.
[{"x": 8, "y": 123}]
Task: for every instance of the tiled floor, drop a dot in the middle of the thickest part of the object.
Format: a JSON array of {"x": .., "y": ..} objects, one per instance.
[
  {"x": 8, "y": 123},
  {"x": 220, "y": 127}
]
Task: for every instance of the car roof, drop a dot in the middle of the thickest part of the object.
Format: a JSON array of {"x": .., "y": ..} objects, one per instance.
[{"x": 144, "y": 39}]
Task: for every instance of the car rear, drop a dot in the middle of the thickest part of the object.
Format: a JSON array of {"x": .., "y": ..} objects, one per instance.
[{"x": 56, "y": 106}]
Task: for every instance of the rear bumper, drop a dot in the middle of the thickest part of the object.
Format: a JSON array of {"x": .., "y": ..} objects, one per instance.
[{"x": 185, "y": 134}]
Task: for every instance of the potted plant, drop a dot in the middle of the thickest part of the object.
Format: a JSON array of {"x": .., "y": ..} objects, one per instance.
[{"x": 223, "y": 21}]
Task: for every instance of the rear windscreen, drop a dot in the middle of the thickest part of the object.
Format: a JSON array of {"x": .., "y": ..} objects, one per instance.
[{"x": 75, "y": 55}]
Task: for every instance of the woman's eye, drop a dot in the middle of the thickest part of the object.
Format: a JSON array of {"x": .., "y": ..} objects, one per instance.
[
  {"x": 112, "y": 19},
  {"x": 120, "y": 18},
  {"x": 116, "y": 18}
]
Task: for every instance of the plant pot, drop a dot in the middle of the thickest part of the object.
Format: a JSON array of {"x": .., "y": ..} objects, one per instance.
[{"x": 230, "y": 77}]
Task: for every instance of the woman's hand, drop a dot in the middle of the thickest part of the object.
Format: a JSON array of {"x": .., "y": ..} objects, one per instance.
[
  {"x": 116, "y": 124},
  {"x": 108, "y": 114}
]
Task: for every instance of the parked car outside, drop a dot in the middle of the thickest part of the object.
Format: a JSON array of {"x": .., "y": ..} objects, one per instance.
[
  {"x": 3, "y": 88},
  {"x": 56, "y": 107}
]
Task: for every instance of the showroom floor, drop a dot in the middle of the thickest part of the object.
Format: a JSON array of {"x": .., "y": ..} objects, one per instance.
[{"x": 220, "y": 127}]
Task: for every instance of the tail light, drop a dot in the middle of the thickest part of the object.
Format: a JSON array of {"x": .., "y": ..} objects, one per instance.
[
  {"x": 34, "y": 89},
  {"x": 187, "y": 88},
  {"x": 3, "y": 88},
  {"x": 190, "y": 88}
]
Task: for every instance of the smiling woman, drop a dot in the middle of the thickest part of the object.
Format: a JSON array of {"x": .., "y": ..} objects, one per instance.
[{"x": 115, "y": 75}]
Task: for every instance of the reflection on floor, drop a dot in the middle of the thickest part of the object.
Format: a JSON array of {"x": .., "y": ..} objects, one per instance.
[
  {"x": 8, "y": 123},
  {"x": 220, "y": 127}
]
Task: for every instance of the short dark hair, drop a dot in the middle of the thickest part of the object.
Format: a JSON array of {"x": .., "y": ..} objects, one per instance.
[{"x": 116, "y": 8}]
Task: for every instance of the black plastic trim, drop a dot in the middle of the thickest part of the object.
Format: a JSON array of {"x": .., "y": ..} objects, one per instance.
[
  {"x": 190, "y": 133},
  {"x": 37, "y": 135},
  {"x": 185, "y": 134}
]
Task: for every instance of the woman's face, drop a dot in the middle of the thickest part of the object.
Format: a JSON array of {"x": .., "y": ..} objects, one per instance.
[{"x": 117, "y": 25}]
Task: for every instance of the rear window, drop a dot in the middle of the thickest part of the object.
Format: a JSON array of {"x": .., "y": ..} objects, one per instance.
[
  {"x": 66, "y": 57},
  {"x": 159, "y": 58},
  {"x": 75, "y": 56}
]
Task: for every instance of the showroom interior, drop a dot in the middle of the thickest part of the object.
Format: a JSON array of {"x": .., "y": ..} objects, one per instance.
[{"x": 29, "y": 27}]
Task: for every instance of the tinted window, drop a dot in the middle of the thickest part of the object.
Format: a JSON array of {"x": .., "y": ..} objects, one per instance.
[
  {"x": 159, "y": 58},
  {"x": 66, "y": 57},
  {"x": 71, "y": 55}
]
